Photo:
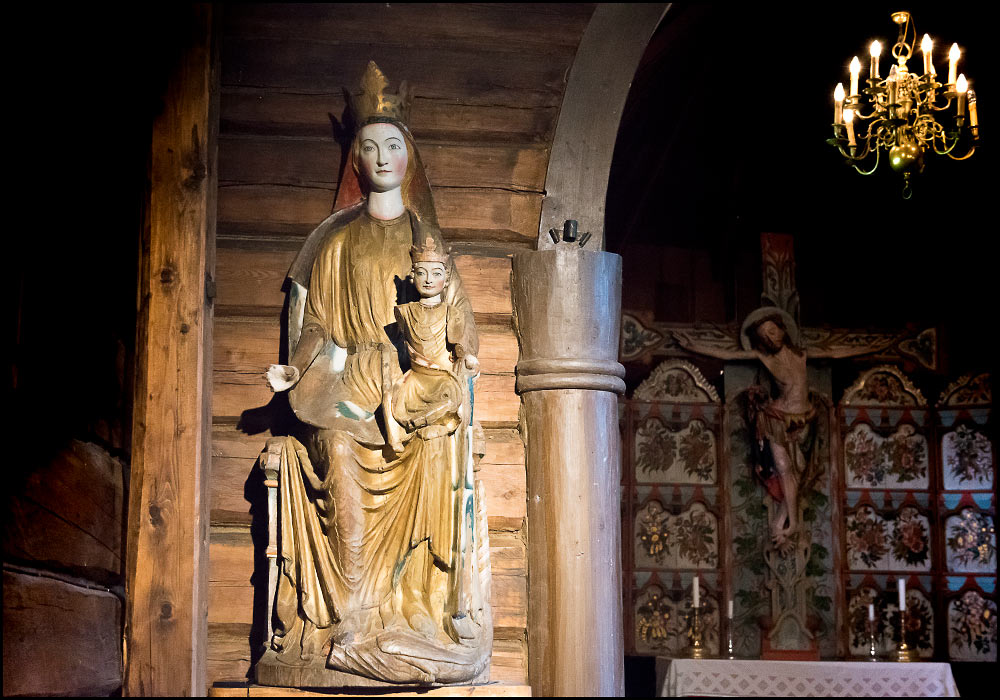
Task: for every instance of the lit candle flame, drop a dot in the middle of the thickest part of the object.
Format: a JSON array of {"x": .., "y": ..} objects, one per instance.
[
  {"x": 856, "y": 65},
  {"x": 876, "y": 49},
  {"x": 838, "y": 94},
  {"x": 848, "y": 115},
  {"x": 962, "y": 85},
  {"x": 926, "y": 44},
  {"x": 954, "y": 53}
]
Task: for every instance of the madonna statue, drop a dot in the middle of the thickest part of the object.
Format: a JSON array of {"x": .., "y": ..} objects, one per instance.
[{"x": 383, "y": 566}]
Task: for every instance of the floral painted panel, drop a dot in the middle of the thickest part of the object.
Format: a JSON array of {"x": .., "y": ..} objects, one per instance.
[
  {"x": 910, "y": 541},
  {"x": 901, "y": 543},
  {"x": 689, "y": 540},
  {"x": 968, "y": 460},
  {"x": 867, "y": 540},
  {"x": 920, "y": 622},
  {"x": 653, "y": 549},
  {"x": 972, "y": 628},
  {"x": 686, "y": 456},
  {"x": 874, "y": 461},
  {"x": 971, "y": 542},
  {"x": 662, "y": 625}
]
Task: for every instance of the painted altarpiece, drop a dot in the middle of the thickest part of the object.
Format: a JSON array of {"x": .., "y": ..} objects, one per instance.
[{"x": 673, "y": 509}]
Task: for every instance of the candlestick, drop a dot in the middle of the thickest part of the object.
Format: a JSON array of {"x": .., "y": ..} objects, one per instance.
[
  {"x": 872, "y": 648},
  {"x": 855, "y": 70},
  {"x": 696, "y": 650},
  {"x": 890, "y": 85},
  {"x": 926, "y": 47},
  {"x": 904, "y": 652},
  {"x": 962, "y": 88},
  {"x": 875, "y": 50},
  {"x": 901, "y": 584},
  {"x": 953, "y": 55},
  {"x": 838, "y": 104},
  {"x": 694, "y": 592}
]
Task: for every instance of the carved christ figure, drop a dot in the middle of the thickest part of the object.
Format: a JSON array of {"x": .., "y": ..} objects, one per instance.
[
  {"x": 782, "y": 425},
  {"x": 379, "y": 549}
]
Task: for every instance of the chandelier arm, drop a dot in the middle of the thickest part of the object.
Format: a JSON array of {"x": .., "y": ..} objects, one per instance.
[
  {"x": 874, "y": 167},
  {"x": 967, "y": 155}
]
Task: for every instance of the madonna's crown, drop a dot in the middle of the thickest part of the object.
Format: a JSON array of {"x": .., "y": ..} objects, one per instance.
[
  {"x": 429, "y": 251},
  {"x": 374, "y": 104}
]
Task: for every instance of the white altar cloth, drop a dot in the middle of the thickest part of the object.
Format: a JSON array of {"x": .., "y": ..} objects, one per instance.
[{"x": 745, "y": 677}]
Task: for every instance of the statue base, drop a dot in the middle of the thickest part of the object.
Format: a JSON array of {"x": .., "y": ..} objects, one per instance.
[
  {"x": 488, "y": 690},
  {"x": 272, "y": 672}
]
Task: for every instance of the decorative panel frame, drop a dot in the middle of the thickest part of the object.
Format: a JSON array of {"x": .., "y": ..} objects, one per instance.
[
  {"x": 967, "y": 512},
  {"x": 889, "y": 495},
  {"x": 673, "y": 509}
]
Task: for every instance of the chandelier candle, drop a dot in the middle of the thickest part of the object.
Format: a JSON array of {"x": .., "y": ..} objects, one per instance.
[
  {"x": 875, "y": 50},
  {"x": 962, "y": 87},
  {"x": 849, "y": 121},
  {"x": 926, "y": 47},
  {"x": 838, "y": 104},
  {"x": 953, "y": 64},
  {"x": 855, "y": 71}
]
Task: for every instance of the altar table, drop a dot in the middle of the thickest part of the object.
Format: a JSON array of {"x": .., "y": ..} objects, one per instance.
[{"x": 745, "y": 677}]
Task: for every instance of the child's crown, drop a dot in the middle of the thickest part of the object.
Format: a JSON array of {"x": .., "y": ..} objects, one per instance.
[{"x": 429, "y": 251}]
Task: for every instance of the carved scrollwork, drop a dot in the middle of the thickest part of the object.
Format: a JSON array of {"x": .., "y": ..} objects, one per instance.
[
  {"x": 636, "y": 338},
  {"x": 676, "y": 381},
  {"x": 970, "y": 390},
  {"x": 883, "y": 386}
]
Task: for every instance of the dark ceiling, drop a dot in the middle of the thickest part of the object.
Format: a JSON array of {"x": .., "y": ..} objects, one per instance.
[{"x": 723, "y": 138}]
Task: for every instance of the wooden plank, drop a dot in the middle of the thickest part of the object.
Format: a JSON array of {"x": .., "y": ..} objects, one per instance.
[
  {"x": 316, "y": 162},
  {"x": 69, "y": 511},
  {"x": 266, "y": 112},
  {"x": 506, "y": 27},
  {"x": 509, "y": 663},
  {"x": 463, "y": 213},
  {"x": 488, "y": 690},
  {"x": 228, "y": 652},
  {"x": 86, "y": 660},
  {"x": 483, "y": 76},
  {"x": 252, "y": 277},
  {"x": 487, "y": 282},
  {"x": 167, "y": 562}
]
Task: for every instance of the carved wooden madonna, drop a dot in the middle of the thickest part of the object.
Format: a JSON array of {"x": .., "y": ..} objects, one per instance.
[{"x": 380, "y": 567}]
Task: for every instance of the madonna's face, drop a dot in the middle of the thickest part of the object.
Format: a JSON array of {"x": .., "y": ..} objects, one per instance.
[{"x": 383, "y": 156}]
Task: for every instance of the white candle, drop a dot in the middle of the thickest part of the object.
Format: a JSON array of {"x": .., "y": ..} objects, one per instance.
[
  {"x": 730, "y": 608},
  {"x": 953, "y": 63},
  {"x": 902, "y": 594},
  {"x": 973, "y": 114},
  {"x": 871, "y": 612},
  {"x": 695, "y": 591},
  {"x": 875, "y": 50},
  {"x": 962, "y": 88},
  {"x": 849, "y": 120},
  {"x": 926, "y": 47},
  {"x": 838, "y": 104},
  {"x": 855, "y": 71}
]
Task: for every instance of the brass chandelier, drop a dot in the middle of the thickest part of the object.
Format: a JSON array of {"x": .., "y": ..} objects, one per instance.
[{"x": 906, "y": 114}]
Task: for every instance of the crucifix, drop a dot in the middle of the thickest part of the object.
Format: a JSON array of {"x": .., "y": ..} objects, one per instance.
[{"x": 780, "y": 414}]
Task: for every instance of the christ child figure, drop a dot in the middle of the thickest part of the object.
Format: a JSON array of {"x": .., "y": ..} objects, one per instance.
[{"x": 430, "y": 396}]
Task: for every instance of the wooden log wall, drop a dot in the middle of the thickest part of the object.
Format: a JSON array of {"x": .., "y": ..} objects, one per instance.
[{"x": 489, "y": 81}]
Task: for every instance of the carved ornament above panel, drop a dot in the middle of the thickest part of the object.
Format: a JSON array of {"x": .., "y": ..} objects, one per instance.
[
  {"x": 970, "y": 390},
  {"x": 676, "y": 381},
  {"x": 883, "y": 386}
]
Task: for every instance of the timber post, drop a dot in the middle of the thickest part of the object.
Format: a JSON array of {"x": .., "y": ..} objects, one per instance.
[{"x": 567, "y": 314}]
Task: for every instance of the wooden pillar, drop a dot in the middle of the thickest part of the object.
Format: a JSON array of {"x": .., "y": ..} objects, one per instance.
[
  {"x": 567, "y": 307},
  {"x": 166, "y": 625}
]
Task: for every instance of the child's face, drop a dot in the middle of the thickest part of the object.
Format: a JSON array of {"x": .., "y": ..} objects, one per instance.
[{"x": 429, "y": 277}]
